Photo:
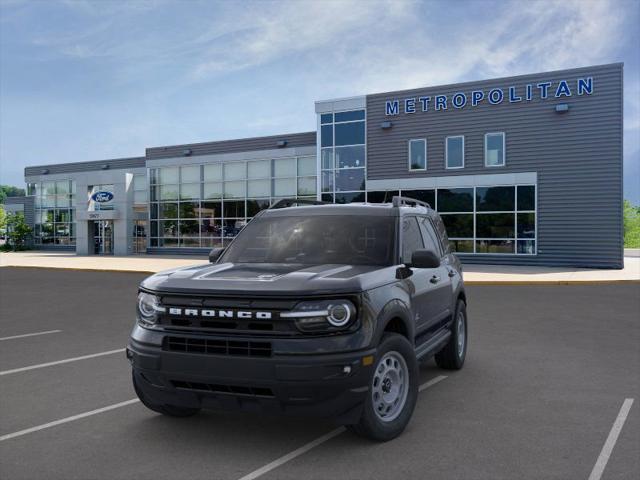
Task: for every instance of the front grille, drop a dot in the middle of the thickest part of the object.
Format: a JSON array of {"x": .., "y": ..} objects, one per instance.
[
  {"x": 231, "y": 389},
  {"x": 209, "y": 346}
]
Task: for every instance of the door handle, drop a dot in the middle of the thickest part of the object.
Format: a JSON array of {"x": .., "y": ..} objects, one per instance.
[
  {"x": 452, "y": 273},
  {"x": 434, "y": 279}
]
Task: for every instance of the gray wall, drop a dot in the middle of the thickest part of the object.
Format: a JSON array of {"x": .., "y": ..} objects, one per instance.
[
  {"x": 79, "y": 167},
  {"x": 577, "y": 157}
]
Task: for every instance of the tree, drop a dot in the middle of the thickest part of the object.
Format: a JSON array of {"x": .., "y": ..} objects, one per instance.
[
  {"x": 3, "y": 219},
  {"x": 17, "y": 231},
  {"x": 9, "y": 191},
  {"x": 631, "y": 225}
]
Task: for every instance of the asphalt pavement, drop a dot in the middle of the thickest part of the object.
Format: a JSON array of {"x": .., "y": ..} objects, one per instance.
[{"x": 547, "y": 374}]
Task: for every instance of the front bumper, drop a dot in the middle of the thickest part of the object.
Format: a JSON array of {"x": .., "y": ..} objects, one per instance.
[{"x": 322, "y": 385}]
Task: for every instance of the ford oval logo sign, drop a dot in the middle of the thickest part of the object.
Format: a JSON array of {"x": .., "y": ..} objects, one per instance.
[{"x": 102, "y": 197}]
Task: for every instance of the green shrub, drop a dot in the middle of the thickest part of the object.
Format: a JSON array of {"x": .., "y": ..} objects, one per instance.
[{"x": 631, "y": 225}]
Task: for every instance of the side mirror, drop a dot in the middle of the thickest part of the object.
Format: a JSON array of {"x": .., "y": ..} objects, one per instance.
[
  {"x": 424, "y": 259},
  {"x": 215, "y": 254}
]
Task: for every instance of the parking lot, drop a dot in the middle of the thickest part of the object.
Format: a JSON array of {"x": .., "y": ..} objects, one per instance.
[{"x": 548, "y": 371}]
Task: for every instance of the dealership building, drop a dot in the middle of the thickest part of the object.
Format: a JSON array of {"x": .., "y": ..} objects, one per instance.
[{"x": 524, "y": 170}]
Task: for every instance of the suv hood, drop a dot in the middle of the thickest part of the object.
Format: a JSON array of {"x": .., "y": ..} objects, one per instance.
[{"x": 262, "y": 279}]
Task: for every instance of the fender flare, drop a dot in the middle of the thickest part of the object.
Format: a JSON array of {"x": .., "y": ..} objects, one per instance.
[{"x": 395, "y": 309}]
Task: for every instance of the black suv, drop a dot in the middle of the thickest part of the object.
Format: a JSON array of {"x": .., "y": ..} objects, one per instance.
[{"x": 313, "y": 309}]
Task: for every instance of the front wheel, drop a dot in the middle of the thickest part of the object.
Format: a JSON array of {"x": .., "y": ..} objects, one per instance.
[
  {"x": 452, "y": 356},
  {"x": 169, "y": 410},
  {"x": 393, "y": 391}
]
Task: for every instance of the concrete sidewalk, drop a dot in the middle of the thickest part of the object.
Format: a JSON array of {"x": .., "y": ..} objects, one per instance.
[{"x": 473, "y": 274}]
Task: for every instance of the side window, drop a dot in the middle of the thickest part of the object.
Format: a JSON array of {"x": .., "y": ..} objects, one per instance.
[
  {"x": 430, "y": 237},
  {"x": 411, "y": 238},
  {"x": 442, "y": 233}
]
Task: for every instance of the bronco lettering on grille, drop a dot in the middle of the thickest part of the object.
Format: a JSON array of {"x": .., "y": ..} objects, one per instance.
[{"x": 194, "y": 312}]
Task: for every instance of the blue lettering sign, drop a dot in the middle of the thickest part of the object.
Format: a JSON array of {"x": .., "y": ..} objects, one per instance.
[
  {"x": 529, "y": 94},
  {"x": 544, "y": 87},
  {"x": 410, "y": 105},
  {"x": 496, "y": 96},
  {"x": 425, "y": 103},
  {"x": 102, "y": 197},
  {"x": 392, "y": 107},
  {"x": 563, "y": 89},
  {"x": 441, "y": 102},
  {"x": 476, "y": 97},
  {"x": 585, "y": 85},
  {"x": 512, "y": 95},
  {"x": 459, "y": 100}
]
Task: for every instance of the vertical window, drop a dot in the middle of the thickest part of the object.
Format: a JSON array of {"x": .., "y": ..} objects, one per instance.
[
  {"x": 494, "y": 146},
  {"x": 454, "y": 152},
  {"x": 429, "y": 236},
  {"x": 411, "y": 238},
  {"x": 418, "y": 154}
]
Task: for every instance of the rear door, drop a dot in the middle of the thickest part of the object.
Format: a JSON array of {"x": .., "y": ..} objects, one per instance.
[{"x": 440, "y": 291}]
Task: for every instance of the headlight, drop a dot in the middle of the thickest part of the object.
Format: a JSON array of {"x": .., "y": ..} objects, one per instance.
[
  {"x": 323, "y": 315},
  {"x": 148, "y": 308}
]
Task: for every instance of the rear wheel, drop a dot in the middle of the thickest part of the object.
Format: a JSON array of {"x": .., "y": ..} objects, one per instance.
[
  {"x": 452, "y": 356},
  {"x": 393, "y": 390},
  {"x": 165, "y": 409}
]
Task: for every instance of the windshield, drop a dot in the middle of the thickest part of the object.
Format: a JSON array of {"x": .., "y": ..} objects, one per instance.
[{"x": 315, "y": 240}]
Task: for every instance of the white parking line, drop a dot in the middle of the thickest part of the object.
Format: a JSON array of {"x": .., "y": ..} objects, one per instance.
[
  {"x": 30, "y": 335},
  {"x": 318, "y": 441},
  {"x": 607, "y": 449},
  {"x": 68, "y": 419},
  {"x": 66, "y": 360}
]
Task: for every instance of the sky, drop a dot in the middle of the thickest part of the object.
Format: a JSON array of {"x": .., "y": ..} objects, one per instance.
[{"x": 87, "y": 80}]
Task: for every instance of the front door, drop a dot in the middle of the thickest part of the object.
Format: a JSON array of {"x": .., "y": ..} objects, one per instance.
[{"x": 103, "y": 237}]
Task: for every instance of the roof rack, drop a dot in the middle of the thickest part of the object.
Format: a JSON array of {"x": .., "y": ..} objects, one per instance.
[
  {"x": 399, "y": 201},
  {"x": 290, "y": 202}
]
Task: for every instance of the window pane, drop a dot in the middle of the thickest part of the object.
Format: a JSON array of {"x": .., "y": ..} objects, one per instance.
[
  {"x": 213, "y": 190},
  {"x": 168, "y": 175},
  {"x": 328, "y": 197},
  {"x": 326, "y": 134},
  {"x": 284, "y": 167},
  {"x": 455, "y": 200},
  {"x": 255, "y": 206},
  {"x": 231, "y": 227},
  {"x": 259, "y": 188},
  {"x": 62, "y": 187},
  {"x": 140, "y": 196},
  {"x": 139, "y": 182},
  {"x": 350, "y": 157},
  {"x": 49, "y": 188},
  {"x": 495, "y": 225},
  {"x": 428, "y": 196},
  {"x": 234, "y": 208},
  {"x": 168, "y": 228},
  {"x": 189, "y": 209},
  {"x": 494, "y": 151},
  {"x": 189, "y": 191},
  {"x": 459, "y": 226},
  {"x": 213, "y": 172},
  {"x": 527, "y": 197},
  {"x": 327, "y": 181},
  {"x": 526, "y": 247},
  {"x": 306, "y": 166},
  {"x": 234, "y": 171},
  {"x": 462, "y": 246},
  {"x": 169, "y": 192},
  {"x": 349, "y": 116},
  {"x": 211, "y": 242},
  {"x": 167, "y": 210},
  {"x": 326, "y": 118},
  {"x": 429, "y": 236},
  {"x": 382, "y": 197},
  {"x": 259, "y": 169},
  {"x": 411, "y": 238},
  {"x": 347, "y": 197},
  {"x": 455, "y": 152},
  {"x": 306, "y": 185},
  {"x": 327, "y": 158},
  {"x": 189, "y": 174},
  {"x": 284, "y": 187},
  {"x": 211, "y": 210},
  {"x": 350, "y": 179},
  {"x": 210, "y": 228},
  {"x": 526, "y": 225},
  {"x": 495, "y": 199},
  {"x": 495, "y": 246},
  {"x": 417, "y": 157},
  {"x": 234, "y": 189},
  {"x": 349, "y": 133},
  {"x": 189, "y": 228}
]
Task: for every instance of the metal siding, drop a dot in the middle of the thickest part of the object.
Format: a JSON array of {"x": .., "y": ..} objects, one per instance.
[
  {"x": 114, "y": 164},
  {"x": 577, "y": 155},
  {"x": 231, "y": 146}
]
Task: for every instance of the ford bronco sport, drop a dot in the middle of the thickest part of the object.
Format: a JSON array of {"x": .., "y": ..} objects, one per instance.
[{"x": 313, "y": 309}]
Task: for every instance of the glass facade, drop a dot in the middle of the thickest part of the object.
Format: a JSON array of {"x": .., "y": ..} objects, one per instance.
[
  {"x": 343, "y": 156},
  {"x": 54, "y": 212},
  {"x": 207, "y": 205}
]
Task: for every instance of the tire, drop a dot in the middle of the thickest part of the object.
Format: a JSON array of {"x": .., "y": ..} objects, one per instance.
[
  {"x": 452, "y": 356},
  {"x": 169, "y": 410},
  {"x": 382, "y": 421}
]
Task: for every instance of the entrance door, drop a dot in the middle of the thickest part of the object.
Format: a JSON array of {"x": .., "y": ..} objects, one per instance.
[{"x": 103, "y": 237}]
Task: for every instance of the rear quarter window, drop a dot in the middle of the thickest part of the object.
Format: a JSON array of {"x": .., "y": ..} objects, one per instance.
[{"x": 442, "y": 234}]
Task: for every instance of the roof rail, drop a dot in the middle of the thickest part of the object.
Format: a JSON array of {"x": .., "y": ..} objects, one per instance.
[
  {"x": 399, "y": 201},
  {"x": 290, "y": 202}
]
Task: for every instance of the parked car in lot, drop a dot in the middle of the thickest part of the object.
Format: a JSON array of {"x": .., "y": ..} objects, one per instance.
[{"x": 313, "y": 309}]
